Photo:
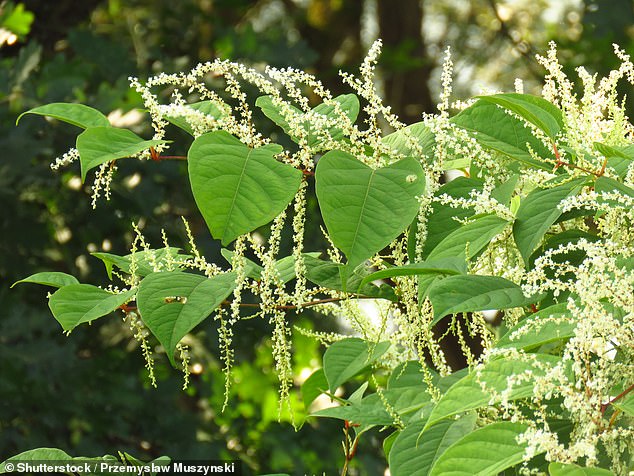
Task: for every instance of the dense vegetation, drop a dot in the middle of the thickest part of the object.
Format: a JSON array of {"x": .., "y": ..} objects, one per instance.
[{"x": 573, "y": 149}]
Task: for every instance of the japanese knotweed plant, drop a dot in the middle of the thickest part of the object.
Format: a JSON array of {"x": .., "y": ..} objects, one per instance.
[{"x": 538, "y": 227}]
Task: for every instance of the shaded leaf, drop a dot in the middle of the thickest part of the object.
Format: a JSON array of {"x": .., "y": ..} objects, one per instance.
[
  {"x": 208, "y": 108},
  {"x": 472, "y": 237},
  {"x": 484, "y": 452},
  {"x": 346, "y": 358},
  {"x": 468, "y": 394},
  {"x": 495, "y": 129},
  {"x": 560, "y": 469},
  {"x": 414, "y": 453},
  {"x": 144, "y": 260},
  {"x": 401, "y": 141},
  {"x": 349, "y": 104},
  {"x": 441, "y": 222},
  {"x": 537, "y": 212},
  {"x": 548, "y": 325},
  {"x": 332, "y": 276},
  {"x": 314, "y": 386},
  {"x": 534, "y": 109},
  {"x": 442, "y": 266},
  {"x": 471, "y": 293}
]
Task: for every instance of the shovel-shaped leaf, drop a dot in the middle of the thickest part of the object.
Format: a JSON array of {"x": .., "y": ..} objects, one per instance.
[
  {"x": 237, "y": 188},
  {"x": 365, "y": 209},
  {"x": 172, "y": 303}
]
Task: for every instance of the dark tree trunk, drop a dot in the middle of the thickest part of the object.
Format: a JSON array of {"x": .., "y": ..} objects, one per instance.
[{"x": 405, "y": 65}]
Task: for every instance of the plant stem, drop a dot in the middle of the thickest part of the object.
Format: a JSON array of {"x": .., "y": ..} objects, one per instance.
[{"x": 605, "y": 406}]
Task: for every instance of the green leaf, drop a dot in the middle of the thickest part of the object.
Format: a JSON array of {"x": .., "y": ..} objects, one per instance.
[
  {"x": 285, "y": 267},
  {"x": 74, "y": 304},
  {"x": 495, "y": 129},
  {"x": 573, "y": 257},
  {"x": 407, "y": 374},
  {"x": 560, "y": 469},
  {"x": 329, "y": 275},
  {"x": 414, "y": 454},
  {"x": 537, "y": 212},
  {"x": 618, "y": 158},
  {"x": 484, "y": 452},
  {"x": 208, "y": 108},
  {"x": 349, "y": 104},
  {"x": 468, "y": 240},
  {"x": 441, "y": 222},
  {"x": 346, "y": 358},
  {"x": 172, "y": 303},
  {"x": 442, "y": 266},
  {"x": 75, "y": 114},
  {"x": 16, "y": 19},
  {"x": 144, "y": 260},
  {"x": 608, "y": 185},
  {"x": 237, "y": 188},
  {"x": 365, "y": 209},
  {"x": 471, "y": 293},
  {"x": 38, "y": 454},
  {"x": 626, "y": 404},
  {"x": 51, "y": 278},
  {"x": 98, "y": 145},
  {"x": 251, "y": 268},
  {"x": 366, "y": 413},
  {"x": 503, "y": 192},
  {"x": 388, "y": 442},
  {"x": 314, "y": 386},
  {"x": 539, "y": 112},
  {"x": 371, "y": 410},
  {"x": 548, "y": 325},
  {"x": 467, "y": 393},
  {"x": 401, "y": 141}
]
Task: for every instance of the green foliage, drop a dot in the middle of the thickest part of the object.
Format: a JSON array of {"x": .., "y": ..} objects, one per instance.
[
  {"x": 175, "y": 302},
  {"x": 540, "y": 232},
  {"x": 99, "y": 145},
  {"x": 237, "y": 188},
  {"x": 365, "y": 209}
]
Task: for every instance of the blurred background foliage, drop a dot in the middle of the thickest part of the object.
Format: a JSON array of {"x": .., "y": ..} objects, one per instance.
[{"x": 88, "y": 393}]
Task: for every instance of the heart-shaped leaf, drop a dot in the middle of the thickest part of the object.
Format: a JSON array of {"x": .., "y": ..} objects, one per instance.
[
  {"x": 364, "y": 209},
  {"x": 237, "y": 188},
  {"x": 98, "y": 145},
  {"x": 172, "y": 303}
]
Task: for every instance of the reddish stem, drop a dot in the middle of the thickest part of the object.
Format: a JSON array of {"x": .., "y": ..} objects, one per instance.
[{"x": 605, "y": 406}]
